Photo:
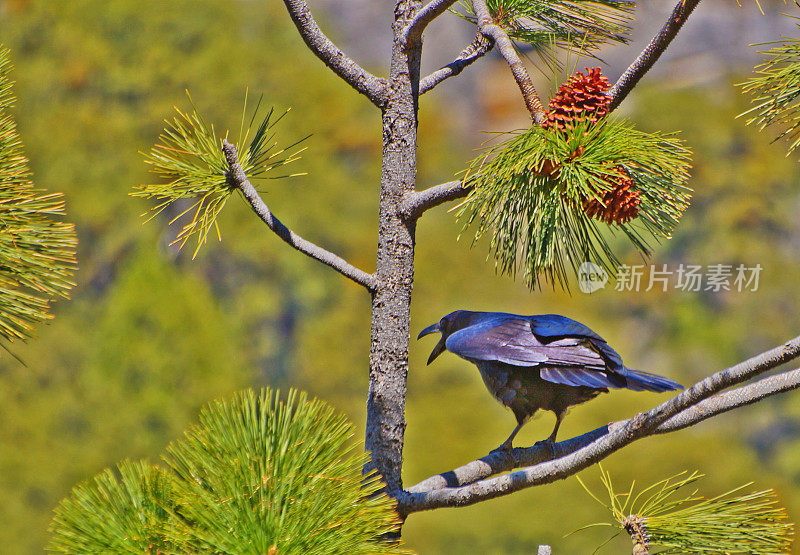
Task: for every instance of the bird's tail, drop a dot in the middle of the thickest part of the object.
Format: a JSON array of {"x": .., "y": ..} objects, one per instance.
[{"x": 638, "y": 380}]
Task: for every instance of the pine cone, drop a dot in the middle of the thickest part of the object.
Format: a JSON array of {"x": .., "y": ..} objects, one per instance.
[
  {"x": 618, "y": 205},
  {"x": 582, "y": 97}
]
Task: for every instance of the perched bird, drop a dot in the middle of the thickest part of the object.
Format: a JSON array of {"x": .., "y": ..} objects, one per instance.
[{"x": 547, "y": 362}]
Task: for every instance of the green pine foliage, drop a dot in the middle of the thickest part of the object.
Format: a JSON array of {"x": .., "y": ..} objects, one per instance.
[
  {"x": 191, "y": 164},
  {"x": 577, "y": 25},
  {"x": 529, "y": 190},
  {"x": 117, "y": 511},
  {"x": 775, "y": 91},
  {"x": 37, "y": 250},
  {"x": 255, "y": 475},
  {"x": 732, "y": 522}
]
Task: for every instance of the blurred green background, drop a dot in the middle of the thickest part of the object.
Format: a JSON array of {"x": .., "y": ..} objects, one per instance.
[{"x": 151, "y": 335}]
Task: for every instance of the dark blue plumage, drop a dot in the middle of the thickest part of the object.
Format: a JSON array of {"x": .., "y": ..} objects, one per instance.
[{"x": 546, "y": 361}]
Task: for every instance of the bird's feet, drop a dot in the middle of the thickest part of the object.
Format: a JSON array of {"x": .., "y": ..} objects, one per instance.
[{"x": 549, "y": 444}]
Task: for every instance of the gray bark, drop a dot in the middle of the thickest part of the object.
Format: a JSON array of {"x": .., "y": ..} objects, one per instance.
[{"x": 391, "y": 300}]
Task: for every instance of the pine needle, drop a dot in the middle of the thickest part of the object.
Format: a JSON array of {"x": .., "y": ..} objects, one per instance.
[
  {"x": 533, "y": 214},
  {"x": 775, "y": 91},
  {"x": 732, "y": 522},
  {"x": 574, "y": 25},
  {"x": 37, "y": 250},
  {"x": 189, "y": 160},
  {"x": 257, "y": 474}
]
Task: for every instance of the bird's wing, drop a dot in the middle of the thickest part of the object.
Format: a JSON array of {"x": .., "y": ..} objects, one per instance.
[
  {"x": 509, "y": 339},
  {"x": 574, "y": 361},
  {"x": 554, "y": 327},
  {"x": 502, "y": 339},
  {"x": 582, "y": 376}
]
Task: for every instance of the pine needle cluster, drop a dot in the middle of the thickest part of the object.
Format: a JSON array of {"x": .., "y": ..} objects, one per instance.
[
  {"x": 571, "y": 24},
  {"x": 255, "y": 475},
  {"x": 37, "y": 250},
  {"x": 733, "y": 522},
  {"x": 191, "y": 164},
  {"x": 543, "y": 195},
  {"x": 776, "y": 91}
]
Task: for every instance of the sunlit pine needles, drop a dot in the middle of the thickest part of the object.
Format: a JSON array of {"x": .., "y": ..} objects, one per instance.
[
  {"x": 775, "y": 90},
  {"x": 674, "y": 522},
  {"x": 529, "y": 189},
  {"x": 37, "y": 250},
  {"x": 191, "y": 164},
  {"x": 257, "y": 474},
  {"x": 571, "y": 24},
  {"x": 124, "y": 510}
]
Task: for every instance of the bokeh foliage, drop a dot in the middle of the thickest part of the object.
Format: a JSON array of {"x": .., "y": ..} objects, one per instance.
[
  {"x": 257, "y": 474},
  {"x": 148, "y": 338}
]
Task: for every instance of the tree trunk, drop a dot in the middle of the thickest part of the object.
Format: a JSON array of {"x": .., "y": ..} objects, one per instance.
[{"x": 391, "y": 301}]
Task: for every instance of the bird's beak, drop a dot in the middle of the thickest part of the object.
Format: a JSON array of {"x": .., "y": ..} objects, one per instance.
[
  {"x": 440, "y": 346},
  {"x": 429, "y": 330},
  {"x": 439, "y": 349}
]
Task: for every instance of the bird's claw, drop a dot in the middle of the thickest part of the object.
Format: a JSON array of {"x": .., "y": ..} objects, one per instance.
[{"x": 549, "y": 444}]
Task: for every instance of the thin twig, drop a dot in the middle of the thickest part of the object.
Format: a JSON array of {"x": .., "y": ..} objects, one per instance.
[
  {"x": 649, "y": 55},
  {"x": 239, "y": 180},
  {"x": 471, "y": 483},
  {"x": 357, "y": 77},
  {"x": 424, "y": 16},
  {"x": 416, "y": 203},
  {"x": 473, "y": 52},
  {"x": 491, "y": 30}
]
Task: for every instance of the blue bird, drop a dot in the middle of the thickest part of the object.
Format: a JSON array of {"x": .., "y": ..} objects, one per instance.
[{"x": 546, "y": 362}]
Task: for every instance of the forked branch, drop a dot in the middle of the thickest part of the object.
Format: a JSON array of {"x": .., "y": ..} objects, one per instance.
[
  {"x": 424, "y": 16},
  {"x": 239, "y": 180},
  {"x": 356, "y": 76},
  {"x": 473, "y": 52},
  {"x": 473, "y": 483},
  {"x": 649, "y": 55},
  {"x": 493, "y": 31}
]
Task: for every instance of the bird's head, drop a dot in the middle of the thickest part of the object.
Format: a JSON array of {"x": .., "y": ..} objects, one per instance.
[{"x": 448, "y": 325}]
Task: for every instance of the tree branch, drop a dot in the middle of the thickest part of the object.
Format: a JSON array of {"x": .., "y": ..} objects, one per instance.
[
  {"x": 357, "y": 77},
  {"x": 424, "y": 16},
  {"x": 473, "y": 52},
  {"x": 649, "y": 55},
  {"x": 471, "y": 483},
  {"x": 417, "y": 202},
  {"x": 502, "y": 461},
  {"x": 493, "y": 31},
  {"x": 724, "y": 402},
  {"x": 239, "y": 180}
]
